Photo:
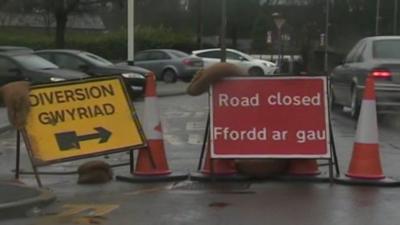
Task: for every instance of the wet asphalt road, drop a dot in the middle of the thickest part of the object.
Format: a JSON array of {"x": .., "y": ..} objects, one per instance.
[{"x": 186, "y": 202}]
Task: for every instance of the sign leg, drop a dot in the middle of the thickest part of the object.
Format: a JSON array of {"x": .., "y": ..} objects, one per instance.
[
  {"x": 333, "y": 149},
  {"x": 131, "y": 161},
  {"x": 331, "y": 171},
  {"x": 39, "y": 182},
  {"x": 332, "y": 144},
  {"x": 17, "y": 160},
  {"x": 203, "y": 147},
  {"x": 35, "y": 171}
]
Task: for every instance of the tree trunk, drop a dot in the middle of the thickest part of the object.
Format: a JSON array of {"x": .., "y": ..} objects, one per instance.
[
  {"x": 199, "y": 24},
  {"x": 61, "y": 20},
  {"x": 61, "y": 10},
  {"x": 234, "y": 36}
]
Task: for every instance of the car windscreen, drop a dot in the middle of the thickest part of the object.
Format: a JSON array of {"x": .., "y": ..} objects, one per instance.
[
  {"x": 178, "y": 54},
  {"x": 95, "y": 59},
  {"x": 386, "y": 49},
  {"x": 34, "y": 62},
  {"x": 244, "y": 55}
]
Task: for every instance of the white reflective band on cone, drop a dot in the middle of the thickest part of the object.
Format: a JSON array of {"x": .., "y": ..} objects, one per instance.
[
  {"x": 367, "y": 128},
  {"x": 152, "y": 119}
]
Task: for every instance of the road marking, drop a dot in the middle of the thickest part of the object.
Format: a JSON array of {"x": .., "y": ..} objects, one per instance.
[
  {"x": 173, "y": 139},
  {"x": 199, "y": 114},
  {"x": 144, "y": 191},
  {"x": 91, "y": 209},
  {"x": 80, "y": 214},
  {"x": 150, "y": 190},
  {"x": 192, "y": 126},
  {"x": 195, "y": 139},
  {"x": 174, "y": 114}
]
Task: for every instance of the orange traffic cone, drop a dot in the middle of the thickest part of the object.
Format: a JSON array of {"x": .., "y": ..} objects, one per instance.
[
  {"x": 217, "y": 166},
  {"x": 303, "y": 170},
  {"x": 216, "y": 169},
  {"x": 303, "y": 167},
  {"x": 151, "y": 164},
  {"x": 365, "y": 166},
  {"x": 365, "y": 162}
]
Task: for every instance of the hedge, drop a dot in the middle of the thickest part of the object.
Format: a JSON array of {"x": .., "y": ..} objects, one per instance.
[{"x": 111, "y": 45}]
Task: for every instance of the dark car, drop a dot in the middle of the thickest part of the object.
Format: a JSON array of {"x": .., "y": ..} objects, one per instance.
[
  {"x": 168, "y": 64},
  {"x": 378, "y": 57},
  {"x": 15, "y": 65},
  {"x": 95, "y": 65}
]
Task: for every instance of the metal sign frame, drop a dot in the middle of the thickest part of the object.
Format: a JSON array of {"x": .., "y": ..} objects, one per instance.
[
  {"x": 280, "y": 156},
  {"x": 333, "y": 162}
]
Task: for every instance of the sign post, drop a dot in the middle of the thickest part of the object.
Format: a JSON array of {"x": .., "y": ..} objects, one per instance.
[
  {"x": 131, "y": 32},
  {"x": 279, "y": 21},
  {"x": 80, "y": 119}
]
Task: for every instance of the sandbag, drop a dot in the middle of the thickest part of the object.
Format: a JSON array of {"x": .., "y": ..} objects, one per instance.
[
  {"x": 204, "y": 78},
  {"x": 257, "y": 168},
  {"x": 16, "y": 98},
  {"x": 94, "y": 172}
]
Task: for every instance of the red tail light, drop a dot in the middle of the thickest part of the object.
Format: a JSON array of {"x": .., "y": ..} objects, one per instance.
[
  {"x": 381, "y": 73},
  {"x": 188, "y": 62}
]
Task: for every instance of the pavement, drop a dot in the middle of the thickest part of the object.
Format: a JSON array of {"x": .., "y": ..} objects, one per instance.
[
  {"x": 4, "y": 124},
  {"x": 18, "y": 199}
]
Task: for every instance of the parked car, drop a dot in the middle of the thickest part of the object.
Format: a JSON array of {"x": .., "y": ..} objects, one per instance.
[
  {"x": 378, "y": 57},
  {"x": 17, "y": 65},
  {"x": 248, "y": 64},
  {"x": 168, "y": 64},
  {"x": 95, "y": 65},
  {"x": 291, "y": 64},
  {"x": 7, "y": 48}
]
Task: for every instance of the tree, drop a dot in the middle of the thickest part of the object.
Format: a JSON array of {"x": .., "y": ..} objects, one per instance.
[
  {"x": 259, "y": 33},
  {"x": 169, "y": 13},
  {"x": 61, "y": 9},
  {"x": 238, "y": 26}
]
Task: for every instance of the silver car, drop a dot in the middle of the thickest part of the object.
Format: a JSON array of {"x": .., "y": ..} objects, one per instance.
[
  {"x": 168, "y": 64},
  {"x": 378, "y": 57},
  {"x": 247, "y": 64}
]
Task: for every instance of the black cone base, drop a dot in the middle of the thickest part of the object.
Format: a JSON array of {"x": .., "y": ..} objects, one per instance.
[{"x": 176, "y": 176}]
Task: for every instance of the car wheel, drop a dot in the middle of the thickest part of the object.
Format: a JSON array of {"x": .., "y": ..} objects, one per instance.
[
  {"x": 255, "y": 71},
  {"x": 355, "y": 105},
  {"x": 169, "y": 76}
]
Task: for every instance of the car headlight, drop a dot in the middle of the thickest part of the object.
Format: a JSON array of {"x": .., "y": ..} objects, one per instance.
[
  {"x": 132, "y": 75},
  {"x": 56, "y": 79}
]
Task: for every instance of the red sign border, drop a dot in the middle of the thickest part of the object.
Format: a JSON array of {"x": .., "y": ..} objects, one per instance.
[{"x": 328, "y": 155}]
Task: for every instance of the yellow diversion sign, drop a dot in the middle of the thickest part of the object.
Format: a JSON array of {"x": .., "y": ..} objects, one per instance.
[{"x": 78, "y": 119}]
